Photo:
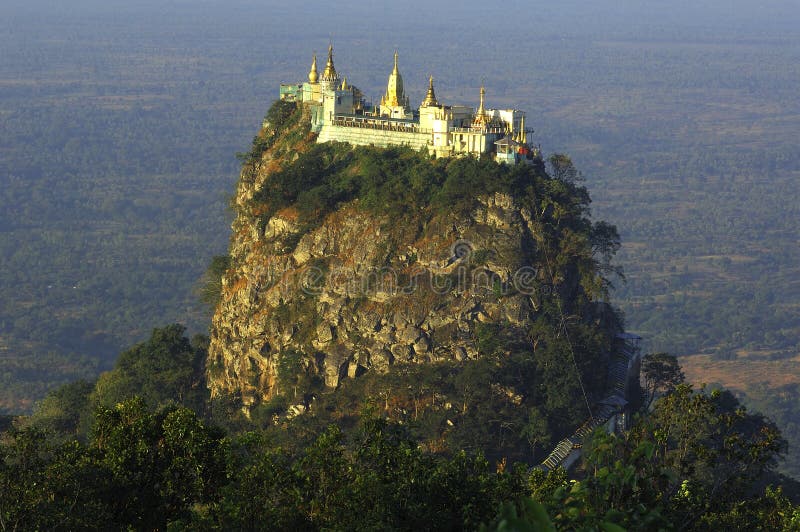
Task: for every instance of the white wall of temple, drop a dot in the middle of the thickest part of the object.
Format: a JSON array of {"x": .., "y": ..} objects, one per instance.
[
  {"x": 512, "y": 117},
  {"x": 428, "y": 116},
  {"x": 442, "y": 144},
  {"x": 312, "y": 92},
  {"x": 337, "y": 102},
  {"x": 441, "y": 132},
  {"x": 374, "y": 137},
  {"x": 470, "y": 142}
]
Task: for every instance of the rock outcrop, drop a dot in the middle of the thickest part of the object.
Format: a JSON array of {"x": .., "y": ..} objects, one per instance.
[{"x": 359, "y": 290}]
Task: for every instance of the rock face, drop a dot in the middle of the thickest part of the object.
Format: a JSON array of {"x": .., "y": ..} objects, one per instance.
[{"x": 360, "y": 293}]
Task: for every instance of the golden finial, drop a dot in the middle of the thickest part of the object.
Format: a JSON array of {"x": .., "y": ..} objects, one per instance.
[
  {"x": 344, "y": 83},
  {"x": 430, "y": 98},
  {"x": 313, "y": 76},
  {"x": 395, "y": 71}
]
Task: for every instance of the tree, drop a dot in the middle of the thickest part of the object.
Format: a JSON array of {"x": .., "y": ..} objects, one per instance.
[
  {"x": 162, "y": 464},
  {"x": 770, "y": 511},
  {"x": 605, "y": 243},
  {"x": 264, "y": 492},
  {"x": 326, "y": 478},
  {"x": 211, "y": 287},
  {"x": 536, "y": 430},
  {"x": 66, "y": 410},
  {"x": 527, "y": 515},
  {"x": 46, "y": 485},
  {"x": 696, "y": 454},
  {"x": 694, "y": 462},
  {"x": 661, "y": 373},
  {"x": 561, "y": 167},
  {"x": 165, "y": 368}
]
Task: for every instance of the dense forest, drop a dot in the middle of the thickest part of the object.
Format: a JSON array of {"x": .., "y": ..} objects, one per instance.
[{"x": 118, "y": 130}]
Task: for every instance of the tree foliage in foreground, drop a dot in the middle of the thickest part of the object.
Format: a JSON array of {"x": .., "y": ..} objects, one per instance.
[
  {"x": 696, "y": 460},
  {"x": 660, "y": 373},
  {"x": 167, "y": 469},
  {"x": 695, "y": 463},
  {"x": 165, "y": 369},
  {"x": 139, "y": 470}
]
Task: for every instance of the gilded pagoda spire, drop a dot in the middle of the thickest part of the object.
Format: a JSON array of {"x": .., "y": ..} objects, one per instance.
[
  {"x": 394, "y": 96},
  {"x": 313, "y": 76},
  {"x": 330, "y": 71},
  {"x": 480, "y": 116},
  {"x": 430, "y": 97}
]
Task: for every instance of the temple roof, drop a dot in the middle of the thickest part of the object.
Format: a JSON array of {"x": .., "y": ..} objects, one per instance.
[{"x": 507, "y": 141}]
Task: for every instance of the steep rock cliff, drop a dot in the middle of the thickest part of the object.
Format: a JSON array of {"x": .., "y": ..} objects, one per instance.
[{"x": 350, "y": 260}]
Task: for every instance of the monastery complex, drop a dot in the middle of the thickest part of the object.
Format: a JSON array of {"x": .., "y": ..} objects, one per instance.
[{"x": 339, "y": 112}]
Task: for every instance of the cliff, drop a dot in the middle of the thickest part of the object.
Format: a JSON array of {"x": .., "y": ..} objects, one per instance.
[{"x": 351, "y": 261}]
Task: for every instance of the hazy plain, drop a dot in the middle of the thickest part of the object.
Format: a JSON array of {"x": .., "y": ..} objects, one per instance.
[{"x": 119, "y": 124}]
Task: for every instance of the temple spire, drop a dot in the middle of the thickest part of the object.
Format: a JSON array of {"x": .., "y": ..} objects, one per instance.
[
  {"x": 313, "y": 76},
  {"x": 395, "y": 95},
  {"x": 330, "y": 71},
  {"x": 430, "y": 97},
  {"x": 480, "y": 116}
]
